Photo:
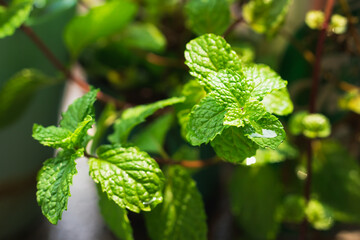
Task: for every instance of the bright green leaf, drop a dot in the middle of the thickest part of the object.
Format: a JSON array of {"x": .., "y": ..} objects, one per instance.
[
  {"x": 14, "y": 16},
  {"x": 318, "y": 215},
  {"x": 316, "y": 125},
  {"x": 79, "y": 110},
  {"x": 17, "y": 93},
  {"x": 351, "y": 101},
  {"x": 152, "y": 138},
  {"x": 255, "y": 196},
  {"x": 265, "y": 79},
  {"x": 210, "y": 53},
  {"x": 338, "y": 24},
  {"x": 233, "y": 146},
  {"x": 131, "y": 178},
  {"x": 266, "y": 16},
  {"x": 206, "y": 121},
  {"x": 52, "y": 136},
  {"x": 208, "y": 16},
  {"x": 54, "y": 180},
  {"x": 315, "y": 19},
  {"x": 115, "y": 217},
  {"x": 272, "y": 132},
  {"x": 293, "y": 209},
  {"x": 144, "y": 36},
  {"x": 99, "y": 22},
  {"x": 283, "y": 152},
  {"x": 182, "y": 215},
  {"x": 134, "y": 116},
  {"x": 295, "y": 123},
  {"x": 278, "y": 102}
]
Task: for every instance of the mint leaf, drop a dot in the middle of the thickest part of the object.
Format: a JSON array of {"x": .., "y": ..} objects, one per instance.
[
  {"x": 131, "y": 178},
  {"x": 208, "y": 54},
  {"x": 255, "y": 197},
  {"x": 293, "y": 209},
  {"x": 316, "y": 125},
  {"x": 99, "y": 22},
  {"x": 206, "y": 121},
  {"x": 52, "y": 136},
  {"x": 152, "y": 138},
  {"x": 134, "y": 116},
  {"x": 115, "y": 217},
  {"x": 271, "y": 134},
  {"x": 144, "y": 36},
  {"x": 182, "y": 214},
  {"x": 58, "y": 137},
  {"x": 266, "y": 16},
  {"x": 208, "y": 16},
  {"x": 79, "y": 110},
  {"x": 14, "y": 16},
  {"x": 233, "y": 146},
  {"x": 17, "y": 93},
  {"x": 54, "y": 180},
  {"x": 278, "y": 102},
  {"x": 319, "y": 215},
  {"x": 265, "y": 80}
]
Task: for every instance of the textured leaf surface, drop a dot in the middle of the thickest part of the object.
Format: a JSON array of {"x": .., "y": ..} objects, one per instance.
[
  {"x": 255, "y": 194},
  {"x": 182, "y": 215},
  {"x": 54, "y": 180},
  {"x": 144, "y": 36},
  {"x": 208, "y": 16},
  {"x": 233, "y": 146},
  {"x": 78, "y": 110},
  {"x": 134, "y": 116},
  {"x": 14, "y": 16},
  {"x": 272, "y": 132},
  {"x": 17, "y": 93},
  {"x": 99, "y": 22},
  {"x": 265, "y": 80},
  {"x": 131, "y": 178},
  {"x": 153, "y": 137},
  {"x": 206, "y": 121},
  {"x": 266, "y": 16},
  {"x": 115, "y": 217},
  {"x": 208, "y": 54},
  {"x": 278, "y": 102},
  {"x": 52, "y": 136}
]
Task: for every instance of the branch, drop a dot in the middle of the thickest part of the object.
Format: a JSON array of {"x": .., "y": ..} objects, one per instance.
[
  {"x": 188, "y": 163},
  {"x": 312, "y": 105},
  {"x": 232, "y": 26}
]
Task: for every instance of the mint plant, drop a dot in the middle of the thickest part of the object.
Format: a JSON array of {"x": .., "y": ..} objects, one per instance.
[{"x": 183, "y": 95}]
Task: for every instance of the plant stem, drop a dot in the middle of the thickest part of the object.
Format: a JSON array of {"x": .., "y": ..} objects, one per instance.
[
  {"x": 312, "y": 107},
  {"x": 232, "y": 26}
]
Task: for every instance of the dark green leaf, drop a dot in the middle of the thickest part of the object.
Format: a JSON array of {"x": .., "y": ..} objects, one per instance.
[{"x": 182, "y": 215}]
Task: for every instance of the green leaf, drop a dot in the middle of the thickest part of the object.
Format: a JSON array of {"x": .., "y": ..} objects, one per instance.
[
  {"x": 17, "y": 93},
  {"x": 153, "y": 137},
  {"x": 206, "y": 121},
  {"x": 255, "y": 196},
  {"x": 233, "y": 146},
  {"x": 54, "y": 180},
  {"x": 351, "y": 101},
  {"x": 272, "y": 132},
  {"x": 278, "y": 102},
  {"x": 14, "y": 16},
  {"x": 144, "y": 36},
  {"x": 134, "y": 116},
  {"x": 115, "y": 217},
  {"x": 57, "y": 137},
  {"x": 283, "y": 152},
  {"x": 296, "y": 122},
  {"x": 318, "y": 215},
  {"x": 265, "y": 79},
  {"x": 131, "y": 178},
  {"x": 293, "y": 209},
  {"x": 316, "y": 125},
  {"x": 52, "y": 136},
  {"x": 266, "y": 16},
  {"x": 210, "y": 53},
  {"x": 99, "y": 22},
  {"x": 193, "y": 93},
  {"x": 208, "y": 16},
  {"x": 79, "y": 110},
  {"x": 333, "y": 164},
  {"x": 315, "y": 19},
  {"x": 182, "y": 215}
]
